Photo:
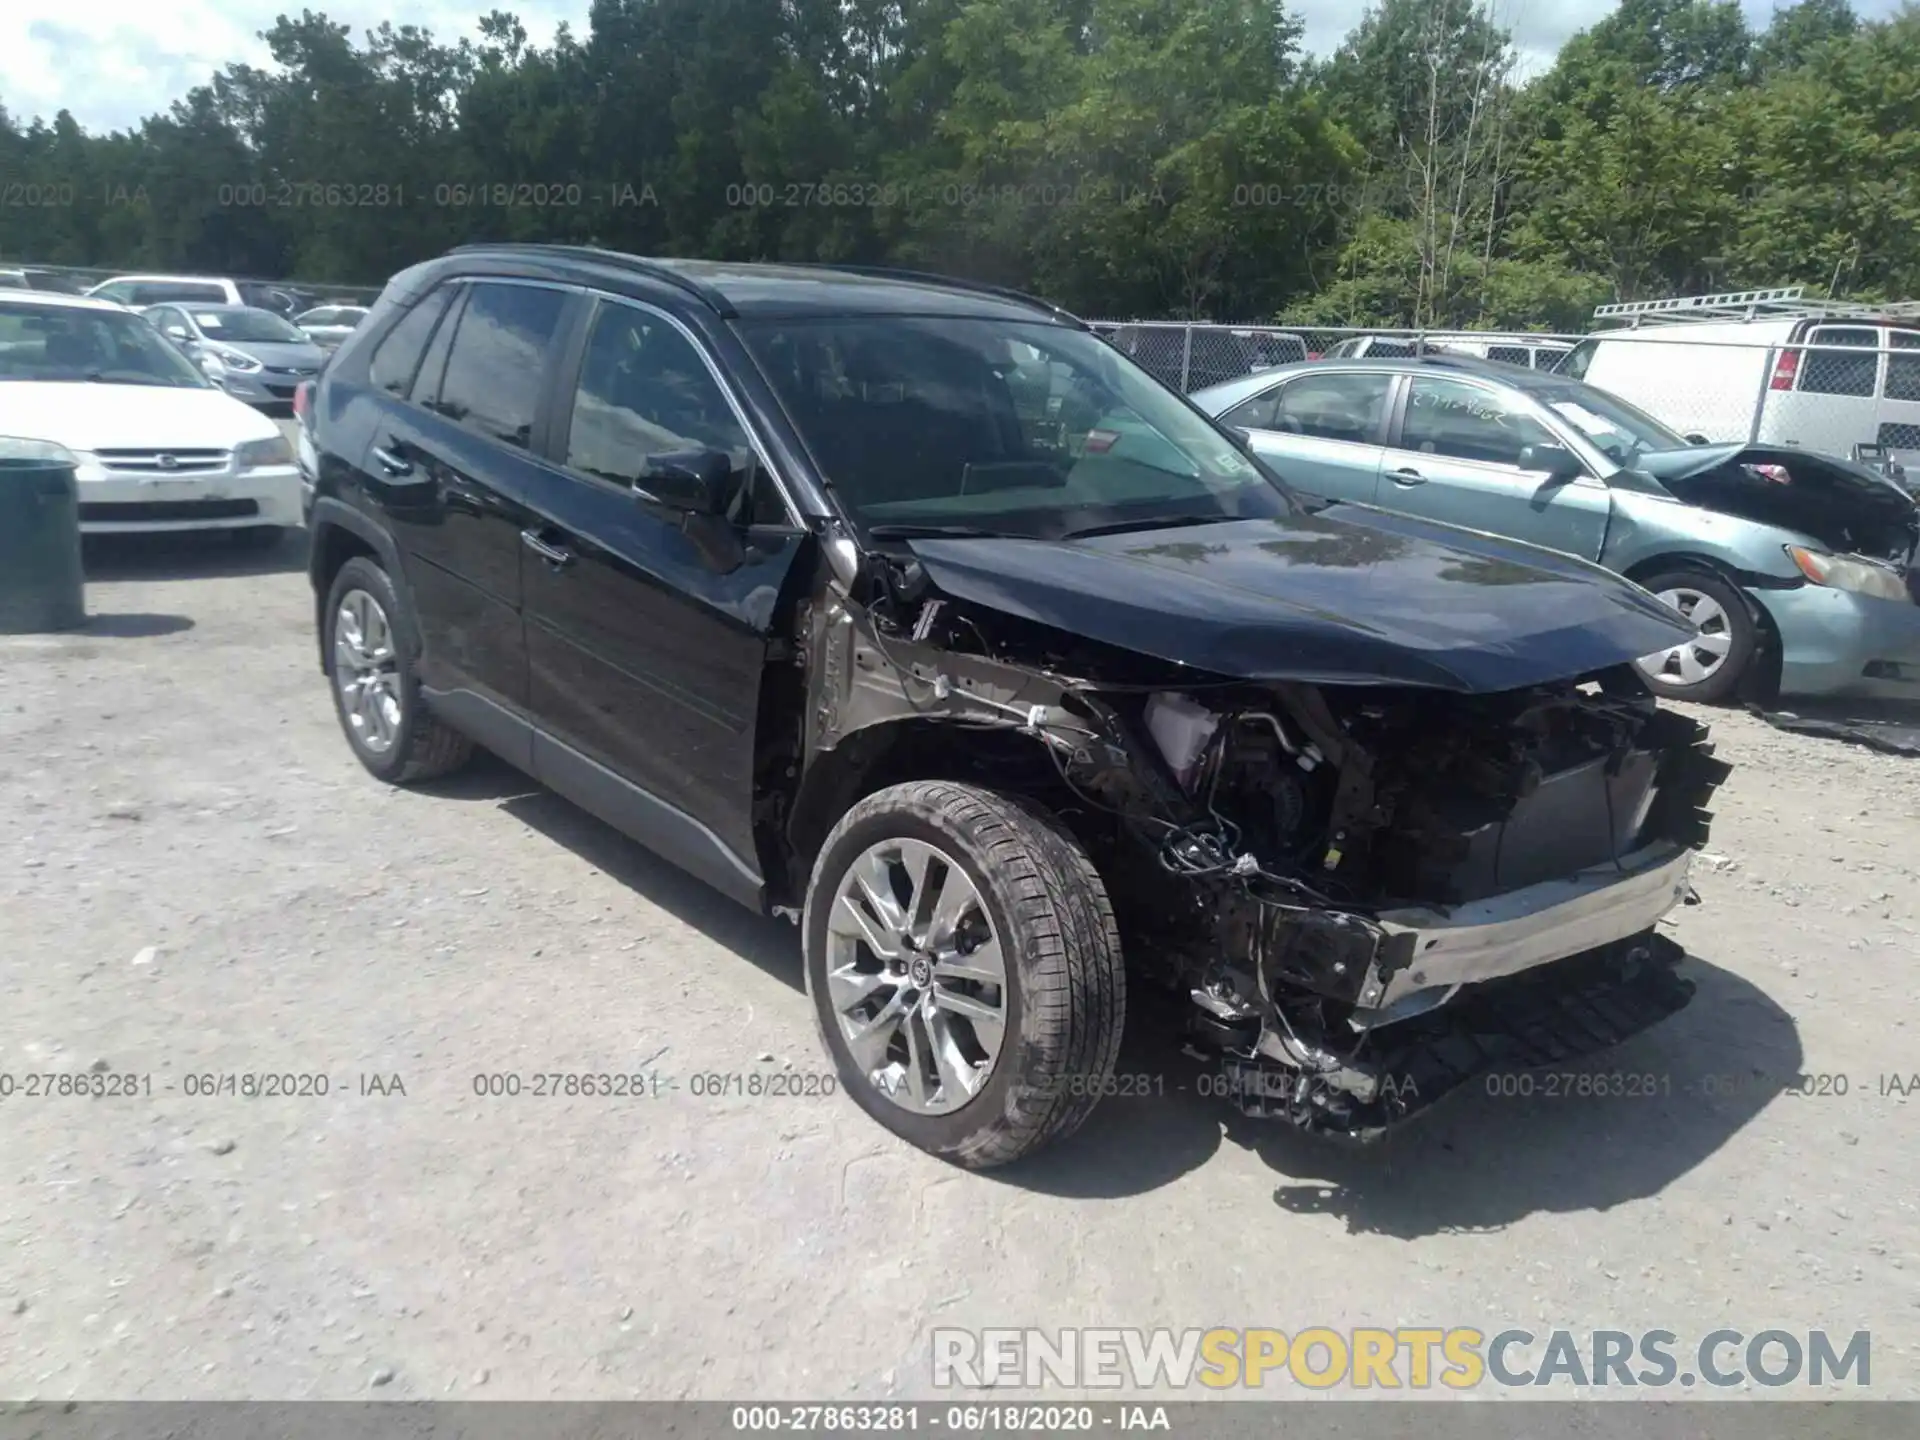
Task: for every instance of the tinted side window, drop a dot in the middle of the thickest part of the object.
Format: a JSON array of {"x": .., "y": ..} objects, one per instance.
[
  {"x": 157, "y": 293},
  {"x": 1333, "y": 407},
  {"x": 398, "y": 355},
  {"x": 1832, "y": 372},
  {"x": 643, "y": 391},
  {"x": 1254, "y": 414},
  {"x": 499, "y": 357},
  {"x": 1446, "y": 417},
  {"x": 426, "y": 382}
]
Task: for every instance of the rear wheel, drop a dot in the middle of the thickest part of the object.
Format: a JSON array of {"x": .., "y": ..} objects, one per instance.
[
  {"x": 370, "y": 665},
  {"x": 965, "y": 970},
  {"x": 1710, "y": 666}
]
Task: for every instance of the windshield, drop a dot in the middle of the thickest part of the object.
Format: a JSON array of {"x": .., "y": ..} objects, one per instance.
[
  {"x": 243, "y": 323},
  {"x": 1616, "y": 428},
  {"x": 49, "y": 342},
  {"x": 999, "y": 426}
]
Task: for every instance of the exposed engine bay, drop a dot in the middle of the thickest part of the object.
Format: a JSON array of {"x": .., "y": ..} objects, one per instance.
[
  {"x": 1844, "y": 506},
  {"x": 1360, "y": 896}
]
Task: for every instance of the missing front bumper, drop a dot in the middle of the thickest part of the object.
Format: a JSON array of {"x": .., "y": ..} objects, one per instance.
[
  {"x": 1425, "y": 950},
  {"x": 1548, "y": 1015}
]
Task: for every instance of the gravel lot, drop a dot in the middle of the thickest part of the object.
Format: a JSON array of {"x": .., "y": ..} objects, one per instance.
[{"x": 196, "y": 878}]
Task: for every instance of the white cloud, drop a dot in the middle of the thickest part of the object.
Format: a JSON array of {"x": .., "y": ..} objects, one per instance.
[
  {"x": 1539, "y": 27},
  {"x": 113, "y": 62}
]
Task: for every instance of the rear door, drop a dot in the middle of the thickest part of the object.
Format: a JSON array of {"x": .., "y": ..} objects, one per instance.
[
  {"x": 451, "y": 466},
  {"x": 647, "y": 628},
  {"x": 1459, "y": 457},
  {"x": 1834, "y": 401},
  {"x": 1323, "y": 430},
  {"x": 1899, "y": 418}
]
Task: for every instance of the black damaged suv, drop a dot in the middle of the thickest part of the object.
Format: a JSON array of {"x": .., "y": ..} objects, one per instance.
[{"x": 913, "y": 611}]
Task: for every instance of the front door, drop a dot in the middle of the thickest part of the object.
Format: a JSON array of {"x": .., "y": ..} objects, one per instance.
[
  {"x": 647, "y": 628},
  {"x": 1460, "y": 457}
]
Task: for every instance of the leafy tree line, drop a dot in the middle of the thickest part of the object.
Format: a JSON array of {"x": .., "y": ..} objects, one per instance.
[{"x": 1124, "y": 157}]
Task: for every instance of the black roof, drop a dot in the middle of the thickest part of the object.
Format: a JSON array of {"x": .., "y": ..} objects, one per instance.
[{"x": 736, "y": 288}]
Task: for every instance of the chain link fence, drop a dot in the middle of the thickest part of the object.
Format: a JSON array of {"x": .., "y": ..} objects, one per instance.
[
  {"x": 1849, "y": 389},
  {"x": 1191, "y": 357}
]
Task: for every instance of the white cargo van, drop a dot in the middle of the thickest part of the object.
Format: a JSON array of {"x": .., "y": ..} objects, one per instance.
[
  {"x": 1530, "y": 352},
  {"x": 1767, "y": 367}
]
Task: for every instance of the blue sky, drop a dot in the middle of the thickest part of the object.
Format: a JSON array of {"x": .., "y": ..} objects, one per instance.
[{"x": 113, "y": 61}]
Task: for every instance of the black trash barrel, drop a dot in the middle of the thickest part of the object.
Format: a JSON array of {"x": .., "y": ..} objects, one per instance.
[{"x": 42, "y": 587}]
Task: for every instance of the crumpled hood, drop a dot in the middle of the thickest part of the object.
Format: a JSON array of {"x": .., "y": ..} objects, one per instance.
[
  {"x": 1350, "y": 595},
  {"x": 1677, "y": 466},
  {"x": 1843, "y": 504}
]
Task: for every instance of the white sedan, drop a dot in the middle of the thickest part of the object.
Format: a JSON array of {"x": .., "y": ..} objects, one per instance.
[
  {"x": 159, "y": 448},
  {"x": 328, "y": 325}
]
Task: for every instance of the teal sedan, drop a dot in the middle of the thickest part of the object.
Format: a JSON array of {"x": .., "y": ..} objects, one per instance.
[{"x": 1795, "y": 567}]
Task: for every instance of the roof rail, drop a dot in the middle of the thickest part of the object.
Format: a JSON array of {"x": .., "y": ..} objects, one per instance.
[
  {"x": 1783, "y": 302},
  {"x": 978, "y": 287},
  {"x": 615, "y": 260}
]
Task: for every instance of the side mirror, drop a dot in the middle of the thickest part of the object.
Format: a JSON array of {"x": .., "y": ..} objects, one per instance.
[
  {"x": 702, "y": 482},
  {"x": 1696, "y": 438},
  {"x": 1559, "y": 462}
]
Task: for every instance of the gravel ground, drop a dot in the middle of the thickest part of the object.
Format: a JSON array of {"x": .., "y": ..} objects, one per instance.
[{"x": 197, "y": 879}]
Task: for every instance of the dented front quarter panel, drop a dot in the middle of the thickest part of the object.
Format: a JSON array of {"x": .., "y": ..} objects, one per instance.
[{"x": 857, "y": 681}]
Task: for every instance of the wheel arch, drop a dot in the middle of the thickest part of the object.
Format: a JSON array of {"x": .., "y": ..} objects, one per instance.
[
  {"x": 337, "y": 533},
  {"x": 894, "y": 751},
  {"x": 1762, "y": 680}
]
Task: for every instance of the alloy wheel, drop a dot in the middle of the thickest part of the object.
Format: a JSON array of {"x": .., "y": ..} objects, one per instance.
[
  {"x": 1697, "y": 660},
  {"x": 916, "y": 976},
  {"x": 366, "y": 668}
]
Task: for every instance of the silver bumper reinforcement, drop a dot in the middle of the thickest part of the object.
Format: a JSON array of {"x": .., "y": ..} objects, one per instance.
[{"x": 1509, "y": 933}]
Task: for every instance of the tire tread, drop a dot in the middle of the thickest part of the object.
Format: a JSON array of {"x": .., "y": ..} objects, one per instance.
[
  {"x": 1066, "y": 947},
  {"x": 433, "y": 748}
]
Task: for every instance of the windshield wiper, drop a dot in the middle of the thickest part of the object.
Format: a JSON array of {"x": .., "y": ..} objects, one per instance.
[
  {"x": 939, "y": 532},
  {"x": 1165, "y": 522}
]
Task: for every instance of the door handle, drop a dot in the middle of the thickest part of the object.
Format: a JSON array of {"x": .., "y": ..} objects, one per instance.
[
  {"x": 392, "y": 461},
  {"x": 1407, "y": 477},
  {"x": 554, "y": 555}
]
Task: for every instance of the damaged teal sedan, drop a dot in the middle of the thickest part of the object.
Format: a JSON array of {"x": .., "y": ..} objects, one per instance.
[{"x": 1795, "y": 567}]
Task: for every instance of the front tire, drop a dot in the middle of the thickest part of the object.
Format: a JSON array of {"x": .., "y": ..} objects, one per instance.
[
  {"x": 370, "y": 660},
  {"x": 1711, "y": 667},
  {"x": 965, "y": 970}
]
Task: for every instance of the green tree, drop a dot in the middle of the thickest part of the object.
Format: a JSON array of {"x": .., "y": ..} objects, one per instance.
[{"x": 1798, "y": 30}]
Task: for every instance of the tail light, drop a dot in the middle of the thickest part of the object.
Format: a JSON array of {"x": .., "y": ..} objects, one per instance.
[
  {"x": 1785, "y": 370},
  {"x": 303, "y": 401}
]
